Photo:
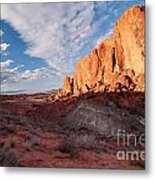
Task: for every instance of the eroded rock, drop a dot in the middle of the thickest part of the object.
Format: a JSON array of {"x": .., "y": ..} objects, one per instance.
[{"x": 117, "y": 63}]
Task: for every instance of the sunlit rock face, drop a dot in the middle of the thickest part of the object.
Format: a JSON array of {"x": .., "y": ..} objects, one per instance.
[
  {"x": 68, "y": 86},
  {"x": 117, "y": 63},
  {"x": 129, "y": 40}
]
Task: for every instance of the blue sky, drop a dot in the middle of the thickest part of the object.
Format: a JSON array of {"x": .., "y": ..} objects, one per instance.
[{"x": 42, "y": 42}]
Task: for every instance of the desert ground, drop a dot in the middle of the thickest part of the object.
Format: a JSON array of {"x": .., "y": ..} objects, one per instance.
[{"x": 71, "y": 132}]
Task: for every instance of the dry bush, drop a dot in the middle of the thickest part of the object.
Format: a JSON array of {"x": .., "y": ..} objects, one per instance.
[
  {"x": 12, "y": 143},
  {"x": 138, "y": 163},
  {"x": 8, "y": 158},
  {"x": 67, "y": 147},
  {"x": 31, "y": 141}
]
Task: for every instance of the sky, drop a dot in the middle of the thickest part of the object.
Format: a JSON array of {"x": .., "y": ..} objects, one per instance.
[{"x": 41, "y": 42}]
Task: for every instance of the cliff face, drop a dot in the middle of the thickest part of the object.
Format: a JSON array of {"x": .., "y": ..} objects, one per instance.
[
  {"x": 129, "y": 40},
  {"x": 117, "y": 64}
]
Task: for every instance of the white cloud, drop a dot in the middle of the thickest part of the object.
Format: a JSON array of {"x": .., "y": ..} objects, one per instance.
[
  {"x": 54, "y": 31},
  {"x": 107, "y": 35},
  {"x": 8, "y": 74},
  {"x": 58, "y": 32},
  {"x": 13, "y": 74},
  {"x": 35, "y": 74},
  {"x": 4, "y": 46},
  {"x": 5, "y": 64},
  {"x": 1, "y": 32}
]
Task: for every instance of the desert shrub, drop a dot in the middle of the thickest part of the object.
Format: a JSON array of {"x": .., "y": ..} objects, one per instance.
[
  {"x": 85, "y": 141},
  {"x": 138, "y": 163},
  {"x": 5, "y": 130},
  {"x": 2, "y": 144},
  {"x": 8, "y": 158},
  {"x": 12, "y": 143},
  {"x": 31, "y": 141},
  {"x": 67, "y": 147}
]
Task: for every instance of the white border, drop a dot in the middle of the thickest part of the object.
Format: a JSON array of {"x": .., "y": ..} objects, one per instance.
[
  {"x": 19, "y": 1},
  {"x": 76, "y": 174}
]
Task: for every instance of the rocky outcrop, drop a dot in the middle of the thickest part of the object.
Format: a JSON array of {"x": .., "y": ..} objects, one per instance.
[
  {"x": 117, "y": 64},
  {"x": 129, "y": 40},
  {"x": 68, "y": 86},
  {"x": 107, "y": 119}
]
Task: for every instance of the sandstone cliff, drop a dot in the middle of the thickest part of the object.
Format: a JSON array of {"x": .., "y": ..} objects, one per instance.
[{"x": 117, "y": 64}]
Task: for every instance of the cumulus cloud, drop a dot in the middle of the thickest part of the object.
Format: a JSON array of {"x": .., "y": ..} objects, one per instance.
[
  {"x": 8, "y": 74},
  {"x": 13, "y": 74},
  {"x": 4, "y": 46},
  {"x": 5, "y": 64},
  {"x": 36, "y": 74}
]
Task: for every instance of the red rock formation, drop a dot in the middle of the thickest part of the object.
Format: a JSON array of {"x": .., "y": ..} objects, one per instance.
[
  {"x": 89, "y": 71},
  {"x": 68, "y": 86},
  {"x": 129, "y": 40},
  {"x": 117, "y": 64}
]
